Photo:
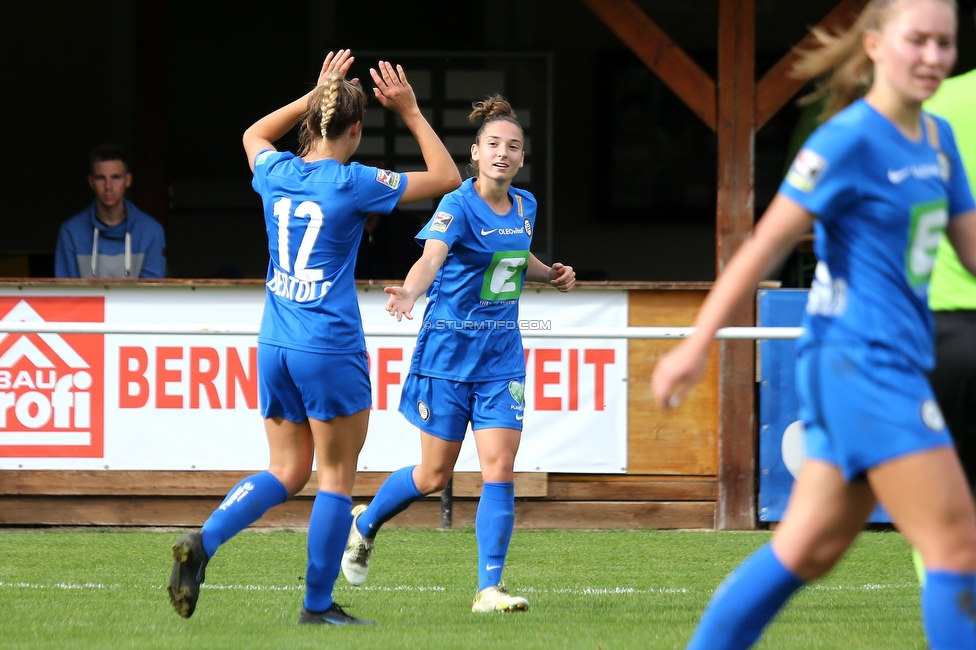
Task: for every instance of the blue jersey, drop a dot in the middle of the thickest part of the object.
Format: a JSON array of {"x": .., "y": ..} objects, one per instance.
[
  {"x": 314, "y": 213},
  {"x": 470, "y": 329},
  {"x": 882, "y": 202}
]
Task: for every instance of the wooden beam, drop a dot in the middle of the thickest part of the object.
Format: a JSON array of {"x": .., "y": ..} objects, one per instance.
[
  {"x": 736, "y": 509},
  {"x": 135, "y": 483},
  {"x": 294, "y": 513},
  {"x": 659, "y": 53},
  {"x": 777, "y": 87}
]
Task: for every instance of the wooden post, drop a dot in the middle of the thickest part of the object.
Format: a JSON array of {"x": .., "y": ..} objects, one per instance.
[{"x": 736, "y": 509}]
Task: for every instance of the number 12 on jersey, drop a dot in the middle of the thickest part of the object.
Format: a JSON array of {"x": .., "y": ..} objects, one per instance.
[{"x": 295, "y": 281}]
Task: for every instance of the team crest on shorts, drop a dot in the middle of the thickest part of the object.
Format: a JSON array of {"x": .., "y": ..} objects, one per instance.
[
  {"x": 932, "y": 416},
  {"x": 517, "y": 390},
  {"x": 423, "y": 410}
]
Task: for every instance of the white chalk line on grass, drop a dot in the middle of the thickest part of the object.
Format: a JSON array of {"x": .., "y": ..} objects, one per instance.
[{"x": 579, "y": 591}]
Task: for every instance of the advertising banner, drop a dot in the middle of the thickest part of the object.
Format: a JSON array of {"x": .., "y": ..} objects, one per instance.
[
  {"x": 781, "y": 433},
  {"x": 189, "y": 401}
]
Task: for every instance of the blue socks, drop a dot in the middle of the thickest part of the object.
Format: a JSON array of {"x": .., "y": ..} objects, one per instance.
[
  {"x": 949, "y": 610},
  {"x": 493, "y": 526},
  {"x": 328, "y": 530},
  {"x": 744, "y": 603},
  {"x": 397, "y": 492},
  {"x": 245, "y": 503}
]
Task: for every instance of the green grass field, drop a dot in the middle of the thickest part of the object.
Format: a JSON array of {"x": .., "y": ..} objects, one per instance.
[{"x": 587, "y": 589}]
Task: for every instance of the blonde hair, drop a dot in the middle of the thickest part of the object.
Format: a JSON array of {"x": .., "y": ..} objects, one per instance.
[
  {"x": 840, "y": 66},
  {"x": 333, "y": 107},
  {"x": 491, "y": 109}
]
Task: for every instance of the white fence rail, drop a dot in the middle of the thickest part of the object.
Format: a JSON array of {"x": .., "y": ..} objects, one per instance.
[{"x": 733, "y": 333}]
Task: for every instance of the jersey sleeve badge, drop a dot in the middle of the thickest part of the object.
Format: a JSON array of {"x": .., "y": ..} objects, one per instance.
[
  {"x": 263, "y": 157},
  {"x": 442, "y": 221},
  {"x": 806, "y": 171},
  {"x": 388, "y": 178}
]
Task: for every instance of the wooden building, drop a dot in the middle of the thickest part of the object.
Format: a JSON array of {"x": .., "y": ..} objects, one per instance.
[{"x": 696, "y": 468}]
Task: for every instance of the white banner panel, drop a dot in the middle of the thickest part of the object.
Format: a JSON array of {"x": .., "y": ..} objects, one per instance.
[{"x": 176, "y": 402}]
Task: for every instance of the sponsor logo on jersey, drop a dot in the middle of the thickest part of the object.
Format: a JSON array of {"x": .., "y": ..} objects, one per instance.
[
  {"x": 442, "y": 221},
  {"x": 932, "y": 416},
  {"x": 503, "y": 276},
  {"x": 423, "y": 411},
  {"x": 527, "y": 225},
  {"x": 807, "y": 169},
  {"x": 518, "y": 205},
  {"x": 896, "y": 176},
  {"x": 938, "y": 169},
  {"x": 505, "y": 231},
  {"x": 52, "y": 385},
  {"x": 388, "y": 178}
]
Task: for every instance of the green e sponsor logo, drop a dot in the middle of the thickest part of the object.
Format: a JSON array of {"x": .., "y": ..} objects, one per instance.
[
  {"x": 502, "y": 281},
  {"x": 928, "y": 221}
]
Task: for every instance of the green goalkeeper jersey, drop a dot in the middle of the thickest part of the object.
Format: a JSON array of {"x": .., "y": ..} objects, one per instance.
[{"x": 952, "y": 286}]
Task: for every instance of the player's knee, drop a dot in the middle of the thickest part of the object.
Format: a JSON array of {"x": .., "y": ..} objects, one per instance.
[
  {"x": 432, "y": 480},
  {"x": 293, "y": 478},
  {"x": 817, "y": 559}
]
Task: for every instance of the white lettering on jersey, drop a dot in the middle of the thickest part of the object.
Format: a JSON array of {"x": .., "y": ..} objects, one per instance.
[
  {"x": 919, "y": 172},
  {"x": 828, "y": 297},
  {"x": 287, "y": 286}
]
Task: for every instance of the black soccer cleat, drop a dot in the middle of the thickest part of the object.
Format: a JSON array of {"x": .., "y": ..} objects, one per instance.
[
  {"x": 332, "y": 616},
  {"x": 189, "y": 569}
]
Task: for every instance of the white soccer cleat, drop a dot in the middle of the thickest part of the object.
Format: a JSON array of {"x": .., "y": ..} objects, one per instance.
[
  {"x": 497, "y": 599},
  {"x": 355, "y": 559}
]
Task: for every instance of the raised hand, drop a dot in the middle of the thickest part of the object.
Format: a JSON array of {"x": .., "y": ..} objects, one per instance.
[
  {"x": 336, "y": 62},
  {"x": 392, "y": 89}
]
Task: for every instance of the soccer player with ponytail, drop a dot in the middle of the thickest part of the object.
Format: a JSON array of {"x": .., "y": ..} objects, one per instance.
[
  {"x": 879, "y": 182},
  {"x": 314, "y": 387},
  {"x": 469, "y": 363}
]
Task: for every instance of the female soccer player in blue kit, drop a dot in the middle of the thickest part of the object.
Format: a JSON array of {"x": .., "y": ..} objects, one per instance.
[
  {"x": 469, "y": 363},
  {"x": 313, "y": 381},
  {"x": 879, "y": 182}
]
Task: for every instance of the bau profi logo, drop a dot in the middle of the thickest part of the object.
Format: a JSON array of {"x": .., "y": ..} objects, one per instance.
[{"x": 52, "y": 385}]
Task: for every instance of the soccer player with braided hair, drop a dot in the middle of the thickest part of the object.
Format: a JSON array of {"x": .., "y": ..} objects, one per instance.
[
  {"x": 314, "y": 387},
  {"x": 879, "y": 181},
  {"x": 469, "y": 363}
]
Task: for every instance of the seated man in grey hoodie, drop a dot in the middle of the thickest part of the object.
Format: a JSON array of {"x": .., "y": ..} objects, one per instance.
[{"x": 111, "y": 238}]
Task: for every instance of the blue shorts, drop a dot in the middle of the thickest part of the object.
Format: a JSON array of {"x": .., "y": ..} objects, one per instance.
[
  {"x": 443, "y": 407},
  {"x": 861, "y": 407},
  {"x": 298, "y": 385}
]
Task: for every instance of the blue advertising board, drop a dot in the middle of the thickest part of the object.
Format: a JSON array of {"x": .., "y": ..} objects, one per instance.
[{"x": 780, "y": 430}]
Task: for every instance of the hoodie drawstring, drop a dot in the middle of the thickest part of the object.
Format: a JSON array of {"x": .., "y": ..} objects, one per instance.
[
  {"x": 94, "y": 259},
  {"x": 128, "y": 253}
]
